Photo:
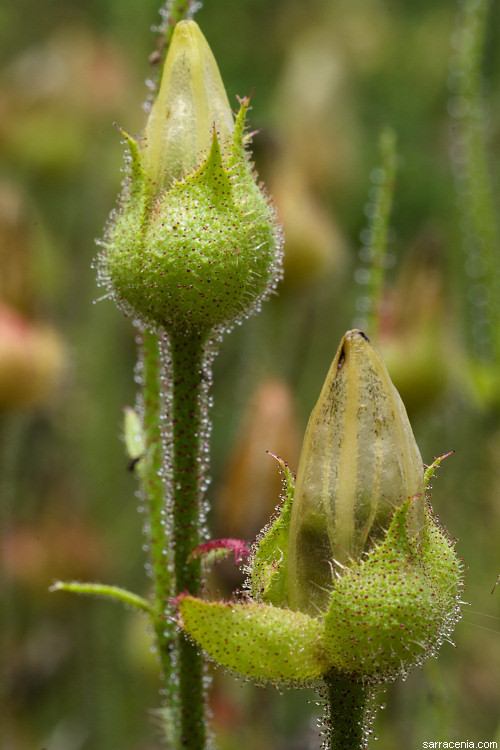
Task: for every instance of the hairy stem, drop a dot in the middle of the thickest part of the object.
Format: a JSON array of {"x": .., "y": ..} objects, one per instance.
[
  {"x": 159, "y": 527},
  {"x": 188, "y": 419},
  {"x": 472, "y": 174},
  {"x": 347, "y": 720}
]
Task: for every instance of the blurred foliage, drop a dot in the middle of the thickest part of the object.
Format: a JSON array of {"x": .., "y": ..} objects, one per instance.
[{"x": 328, "y": 76}]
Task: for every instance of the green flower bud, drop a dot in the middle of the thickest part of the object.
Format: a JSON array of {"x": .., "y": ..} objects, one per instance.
[
  {"x": 359, "y": 461},
  {"x": 194, "y": 246},
  {"x": 365, "y": 579}
]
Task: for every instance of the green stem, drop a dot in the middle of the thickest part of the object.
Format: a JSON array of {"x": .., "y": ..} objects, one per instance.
[
  {"x": 378, "y": 229},
  {"x": 158, "y": 528},
  {"x": 473, "y": 177},
  {"x": 173, "y": 474},
  {"x": 188, "y": 407},
  {"x": 347, "y": 720}
]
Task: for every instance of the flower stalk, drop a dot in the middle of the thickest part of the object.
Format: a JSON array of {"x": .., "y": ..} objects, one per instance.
[
  {"x": 188, "y": 393},
  {"x": 175, "y": 378},
  {"x": 157, "y": 527},
  {"x": 348, "y": 704}
]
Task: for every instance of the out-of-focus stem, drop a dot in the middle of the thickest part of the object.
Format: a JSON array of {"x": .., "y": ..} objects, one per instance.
[
  {"x": 379, "y": 227},
  {"x": 375, "y": 237},
  {"x": 158, "y": 525},
  {"x": 472, "y": 174}
]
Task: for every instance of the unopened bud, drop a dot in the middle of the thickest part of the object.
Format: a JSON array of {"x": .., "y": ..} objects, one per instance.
[
  {"x": 359, "y": 461},
  {"x": 195, "y": 245},
  {"x": 191, "y": 101},
  {"x": 354, "y": 576}
]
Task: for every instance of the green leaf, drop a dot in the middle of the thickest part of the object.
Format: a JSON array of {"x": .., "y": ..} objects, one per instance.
[
  {"x": 257, "y": 640},
  {"x": 107, "y": 592}
]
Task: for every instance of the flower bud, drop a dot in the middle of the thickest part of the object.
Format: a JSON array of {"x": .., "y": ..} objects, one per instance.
[
  {"x": 195, "y": 246},
  {"x": 359, "y": 461},
  {"x": 191, "y": 101},
  {"x": 354, "y": 576}
]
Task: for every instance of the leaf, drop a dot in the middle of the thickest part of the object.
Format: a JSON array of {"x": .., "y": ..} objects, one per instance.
[
  {"x": 105, "y": 592},
  {"x": 133, "y": 433}
]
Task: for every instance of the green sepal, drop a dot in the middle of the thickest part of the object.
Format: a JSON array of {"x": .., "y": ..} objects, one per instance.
[
  {"x": 200, "y": 256},
  {"x": 238, "y": 155},
  {"x": 135, "y": 186},
  {"x": 429, "y": 471},
  {"x": 258, "y": 641},
  {"x": 213, "y": 176},
  {"x": 392, "y": 609},
  {"x": 439, "y": 560},
  {"x": 268, "y": 567},
  {"x": 106, "y": 592}
]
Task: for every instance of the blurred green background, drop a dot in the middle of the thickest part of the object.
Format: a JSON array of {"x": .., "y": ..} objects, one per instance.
[{"x": 328, "y": 75}]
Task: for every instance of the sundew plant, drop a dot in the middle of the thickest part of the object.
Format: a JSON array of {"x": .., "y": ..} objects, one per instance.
[
  {"x": 350, "y": 583},
  {"x": 354, "y": 583}
]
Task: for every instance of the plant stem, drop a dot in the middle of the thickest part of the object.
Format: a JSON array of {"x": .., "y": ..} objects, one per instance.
[
  {"x": 472, "y": 174},
  {"x": 188, "y": 418},
  {"x": 347, "y": 720},
  {"x": 158, "y": 528},
  {"x": 174, "y": 405},
  {"x": 379, "y": 227}
]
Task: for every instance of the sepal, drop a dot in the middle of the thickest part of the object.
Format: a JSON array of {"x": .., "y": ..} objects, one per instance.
[
  {"x": 200, "y": 254},
  {"x": 267, "y": 569},
  {"x": 259, "y": 641},
  {"x": 429, "y": 470},
  {"x": 390, "y": 611},
  {"x": 135, "y": 185}
]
